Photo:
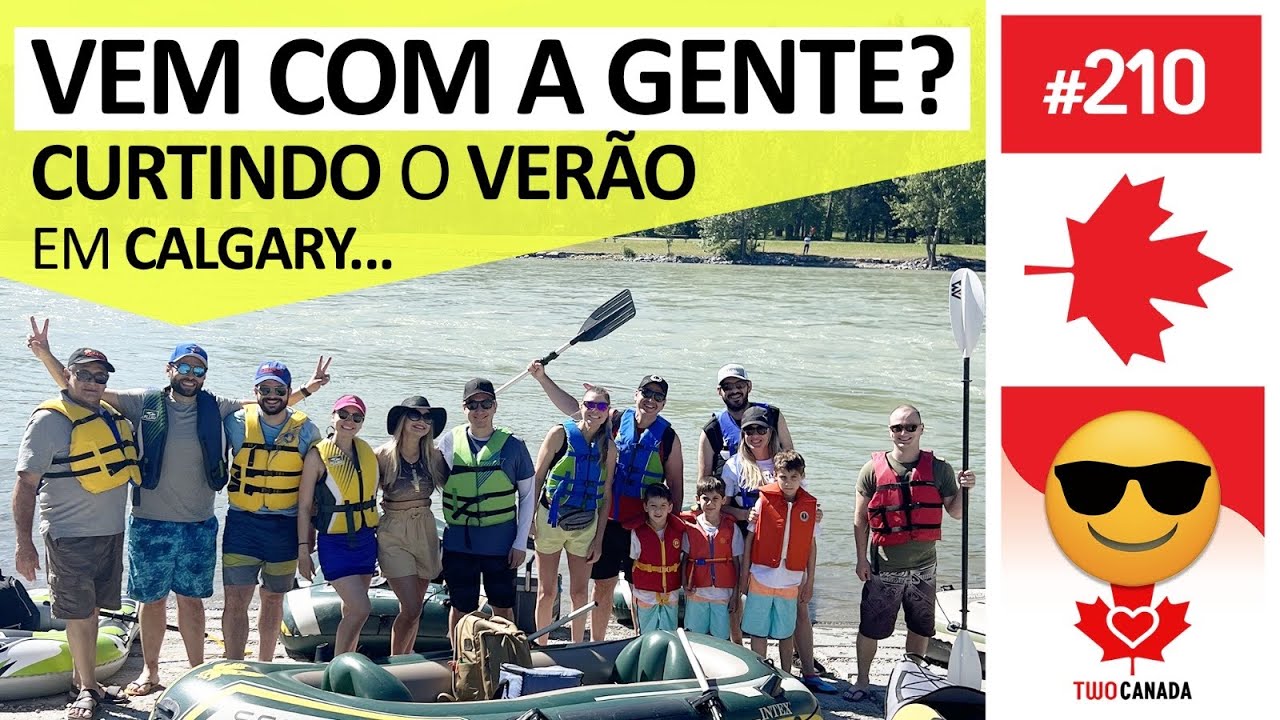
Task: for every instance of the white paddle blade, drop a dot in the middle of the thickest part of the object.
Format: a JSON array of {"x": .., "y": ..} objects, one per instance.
[
  {"x": 965, "y": 666},
  {"x": 968, "y": 309}
]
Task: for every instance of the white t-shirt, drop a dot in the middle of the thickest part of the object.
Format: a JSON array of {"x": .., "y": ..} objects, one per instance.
[
  {"x": 648, "y": 596},
  {"x": 715, "y": 594},
  {"x": 732, "y": 475},
  {"x": 779, "y": 577}
]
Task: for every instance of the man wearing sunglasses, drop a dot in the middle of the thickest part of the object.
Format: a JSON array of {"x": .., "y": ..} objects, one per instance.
[
  {"x": 172, "y": 530},
  {"x": 901, "y": 496},
  {"x": 722, "y": 434},
  {"x": 649, "y": 452},
  {"x": 268, "y": 442},
  {"x": 77, "y": 455},
  {"x": 488, "y": 506}
]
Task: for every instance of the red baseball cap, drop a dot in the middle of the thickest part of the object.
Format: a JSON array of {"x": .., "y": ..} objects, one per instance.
[{"x": 350, "y": 401}]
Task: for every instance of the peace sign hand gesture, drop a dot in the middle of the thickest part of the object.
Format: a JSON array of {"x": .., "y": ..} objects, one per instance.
[
  {"x": 321, "y": 376},
  {"x": 38, "y": 340}
]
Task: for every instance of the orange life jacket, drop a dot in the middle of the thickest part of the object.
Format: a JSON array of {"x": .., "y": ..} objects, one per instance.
[
  {"x": 711, "y": 560},
  {"x": 904, "y": 508},
  {"x": 776, "y": 514},
  {"x": 658, "y": 567}
]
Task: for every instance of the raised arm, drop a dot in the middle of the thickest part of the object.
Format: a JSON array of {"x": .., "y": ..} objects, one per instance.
[
  {"x": 312, "y": 386},
  {"x": 563, "y": 401},
  {"x": 38, "y": 341}
]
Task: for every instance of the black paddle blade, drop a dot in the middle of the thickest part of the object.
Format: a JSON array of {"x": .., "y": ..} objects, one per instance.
[{"x": 606, "y": 318}]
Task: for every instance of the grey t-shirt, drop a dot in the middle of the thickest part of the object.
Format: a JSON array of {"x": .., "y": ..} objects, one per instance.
[
  {"x": 66, "y": 508},
  {"x": 183, "y": 495}
]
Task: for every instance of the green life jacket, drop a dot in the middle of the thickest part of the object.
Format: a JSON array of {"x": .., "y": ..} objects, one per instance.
[{"x": 478, "y": 492}]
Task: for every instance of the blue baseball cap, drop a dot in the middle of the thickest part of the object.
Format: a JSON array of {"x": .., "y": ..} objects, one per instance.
[
  {"x": 273, "y": 370},
  {"x": 189, "y": 349}
]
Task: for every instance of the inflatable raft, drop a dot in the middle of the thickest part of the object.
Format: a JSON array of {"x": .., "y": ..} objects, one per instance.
[
  {"x": 312, "y": 614},
  {"x": 650, "y": 676},
  {"x": 917, "y": 693},
  {"x": 36, "y": 663}
]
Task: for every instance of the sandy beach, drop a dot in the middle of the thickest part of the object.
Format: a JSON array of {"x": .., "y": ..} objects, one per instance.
[{"x": 834, "y": 648}]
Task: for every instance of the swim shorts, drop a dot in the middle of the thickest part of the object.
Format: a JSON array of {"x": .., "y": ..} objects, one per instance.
[{"x": 169, "y": 557}]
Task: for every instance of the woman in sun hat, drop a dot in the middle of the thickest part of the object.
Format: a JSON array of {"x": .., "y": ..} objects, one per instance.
[
  {"x": 339, "y": 483},
  {"x": 408, "y": 547}
]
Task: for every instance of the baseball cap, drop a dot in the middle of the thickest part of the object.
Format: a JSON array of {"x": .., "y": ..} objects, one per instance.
[
  {"x": 732, "y": 371},
  {"x": 478, "y": 385},
  {"x": 273, "y": 370},
  {"x": 654, "y": 380},
  {"x": 350, "y": 401},
  {"x": 755, "y": 415},
  {"x": 189, "y": 349},
  {"x": 89, "y": 355}
]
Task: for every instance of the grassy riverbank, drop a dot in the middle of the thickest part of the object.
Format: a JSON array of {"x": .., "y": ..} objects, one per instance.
[{"x": 884, "y": 251}]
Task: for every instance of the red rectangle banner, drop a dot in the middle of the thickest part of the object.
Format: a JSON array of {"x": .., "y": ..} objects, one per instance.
[{"x": 1131, "y": 84}]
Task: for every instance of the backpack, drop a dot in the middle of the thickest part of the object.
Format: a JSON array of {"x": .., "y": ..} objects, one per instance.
[
  {"x": 481, "y": 644},
  {"x": 17, "y": 611}
]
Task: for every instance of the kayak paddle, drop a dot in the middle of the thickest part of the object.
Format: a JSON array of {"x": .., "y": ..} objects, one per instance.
[
  {"x": 608, "y": 317},
  {"x": 968, "y": 309}
]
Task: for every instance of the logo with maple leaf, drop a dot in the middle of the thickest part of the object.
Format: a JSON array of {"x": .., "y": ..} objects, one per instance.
[
  {"x": 1132, "y": 628},
  {"x": 1119, "y": 269}
]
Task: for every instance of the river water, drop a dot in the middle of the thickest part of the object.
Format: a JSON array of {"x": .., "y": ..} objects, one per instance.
[{"x": 837, "y": 349}]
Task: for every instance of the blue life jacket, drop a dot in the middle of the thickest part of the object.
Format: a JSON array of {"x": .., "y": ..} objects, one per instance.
[
  {"x": 639, "y": 456},
  {"x": 747, "y": 497},
  {"x": 155, "y": 429},
  {"x": 580, "y": 489}
]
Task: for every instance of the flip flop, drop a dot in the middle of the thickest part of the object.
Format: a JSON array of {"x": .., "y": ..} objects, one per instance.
[
  {"x": 142, "y": 688},
  {"x": 856, "y": 695}
]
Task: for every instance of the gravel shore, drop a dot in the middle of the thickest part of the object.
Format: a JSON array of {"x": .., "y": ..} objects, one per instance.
[{"x": 834, "y": 648}]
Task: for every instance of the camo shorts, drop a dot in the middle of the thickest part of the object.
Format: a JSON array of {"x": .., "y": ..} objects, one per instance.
[{"x": 884, "y": 593}]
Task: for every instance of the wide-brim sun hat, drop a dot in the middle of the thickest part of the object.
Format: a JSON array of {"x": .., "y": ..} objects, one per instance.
[{"x": 438, "y": 415}]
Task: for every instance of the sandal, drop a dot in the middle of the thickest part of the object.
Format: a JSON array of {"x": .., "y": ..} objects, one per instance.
[
  {"x": 141, "y": 688},
  {"x": 855, "y": 695},
  {"x": 111, "y": 694},
  {"x": 85, "y": 706}
]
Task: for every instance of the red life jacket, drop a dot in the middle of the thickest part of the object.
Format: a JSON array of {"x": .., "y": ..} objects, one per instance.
[
  {"x": 776, "y": 514},
  {"x": 711, "y": 561},
  {"x": 658, "y": 567},
  {"x": 904, "y": 508}
]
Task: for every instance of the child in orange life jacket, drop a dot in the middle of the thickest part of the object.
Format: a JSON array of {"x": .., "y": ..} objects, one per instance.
[
  {"x": 781, "y": 552},
  {"x": 657, "y": 542},
  {"x": 713, "y": 546}
]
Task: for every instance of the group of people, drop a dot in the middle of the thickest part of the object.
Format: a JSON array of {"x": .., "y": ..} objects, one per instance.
[{"x": 607, "y": 490}]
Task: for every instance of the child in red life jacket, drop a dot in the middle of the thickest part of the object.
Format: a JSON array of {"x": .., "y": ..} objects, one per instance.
[
  {"x": 657, "y": 544},
  {"x": 713, "y": 556},
  {"x": 781, "y": 552}
]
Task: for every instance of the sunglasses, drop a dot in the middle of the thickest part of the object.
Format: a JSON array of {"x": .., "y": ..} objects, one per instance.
[
  {"x": 189, "y": 369},
  {"x": 600, "y": 406},
  {"x": 265, "y": 391},
  {"x": 479, "y": 404},
  {"x": 1096, "y": 488},
  {"x": 85, "y": 376},
  {"x": 909, "y": 428},
  {"x": 756, "y": 430},
  {"x": 416, "y": 415},
  {"x": 738, "y": 387},
  {"x": 654, "y": 395},
  {"x": 354, "y": 417}
]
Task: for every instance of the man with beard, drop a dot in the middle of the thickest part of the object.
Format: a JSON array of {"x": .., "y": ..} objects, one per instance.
[
  {"x": 268, "y": 442},
  {"x": 648, "y": 453},
  {"x": 172, "y": 531},
  {"x": 722, "y": 434}
]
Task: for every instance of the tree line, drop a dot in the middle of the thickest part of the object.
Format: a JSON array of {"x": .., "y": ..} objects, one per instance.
[{"x": 937, "y": 207}]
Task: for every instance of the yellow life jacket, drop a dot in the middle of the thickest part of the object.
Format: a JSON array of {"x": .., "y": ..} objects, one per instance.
[
  {"x": 271, "y": 472},
  {"x": 345, "y": 502},
  {"x": 103, "y": 455}
]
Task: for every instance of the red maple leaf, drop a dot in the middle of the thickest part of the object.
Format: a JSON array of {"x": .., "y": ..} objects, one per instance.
[
  {"x": 1132, "y": 628},
  {"x": 1119, "y": 269}
]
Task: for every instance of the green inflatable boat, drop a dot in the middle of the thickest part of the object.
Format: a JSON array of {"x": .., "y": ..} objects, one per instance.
[
  {"x": 312, "y": 614},
  {"x": 37, "y": 663},
  {"x": 650, "y": 676}
]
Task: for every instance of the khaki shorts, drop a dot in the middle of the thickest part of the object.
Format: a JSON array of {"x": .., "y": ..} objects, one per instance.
[
  {"x": 408, "y": 545},
  {"x": 553, "y": 539},
  {"x": 85, "y": 574}
]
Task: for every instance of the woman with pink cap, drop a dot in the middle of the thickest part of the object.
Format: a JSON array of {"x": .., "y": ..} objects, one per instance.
[{"x": 339, "y": 483}]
